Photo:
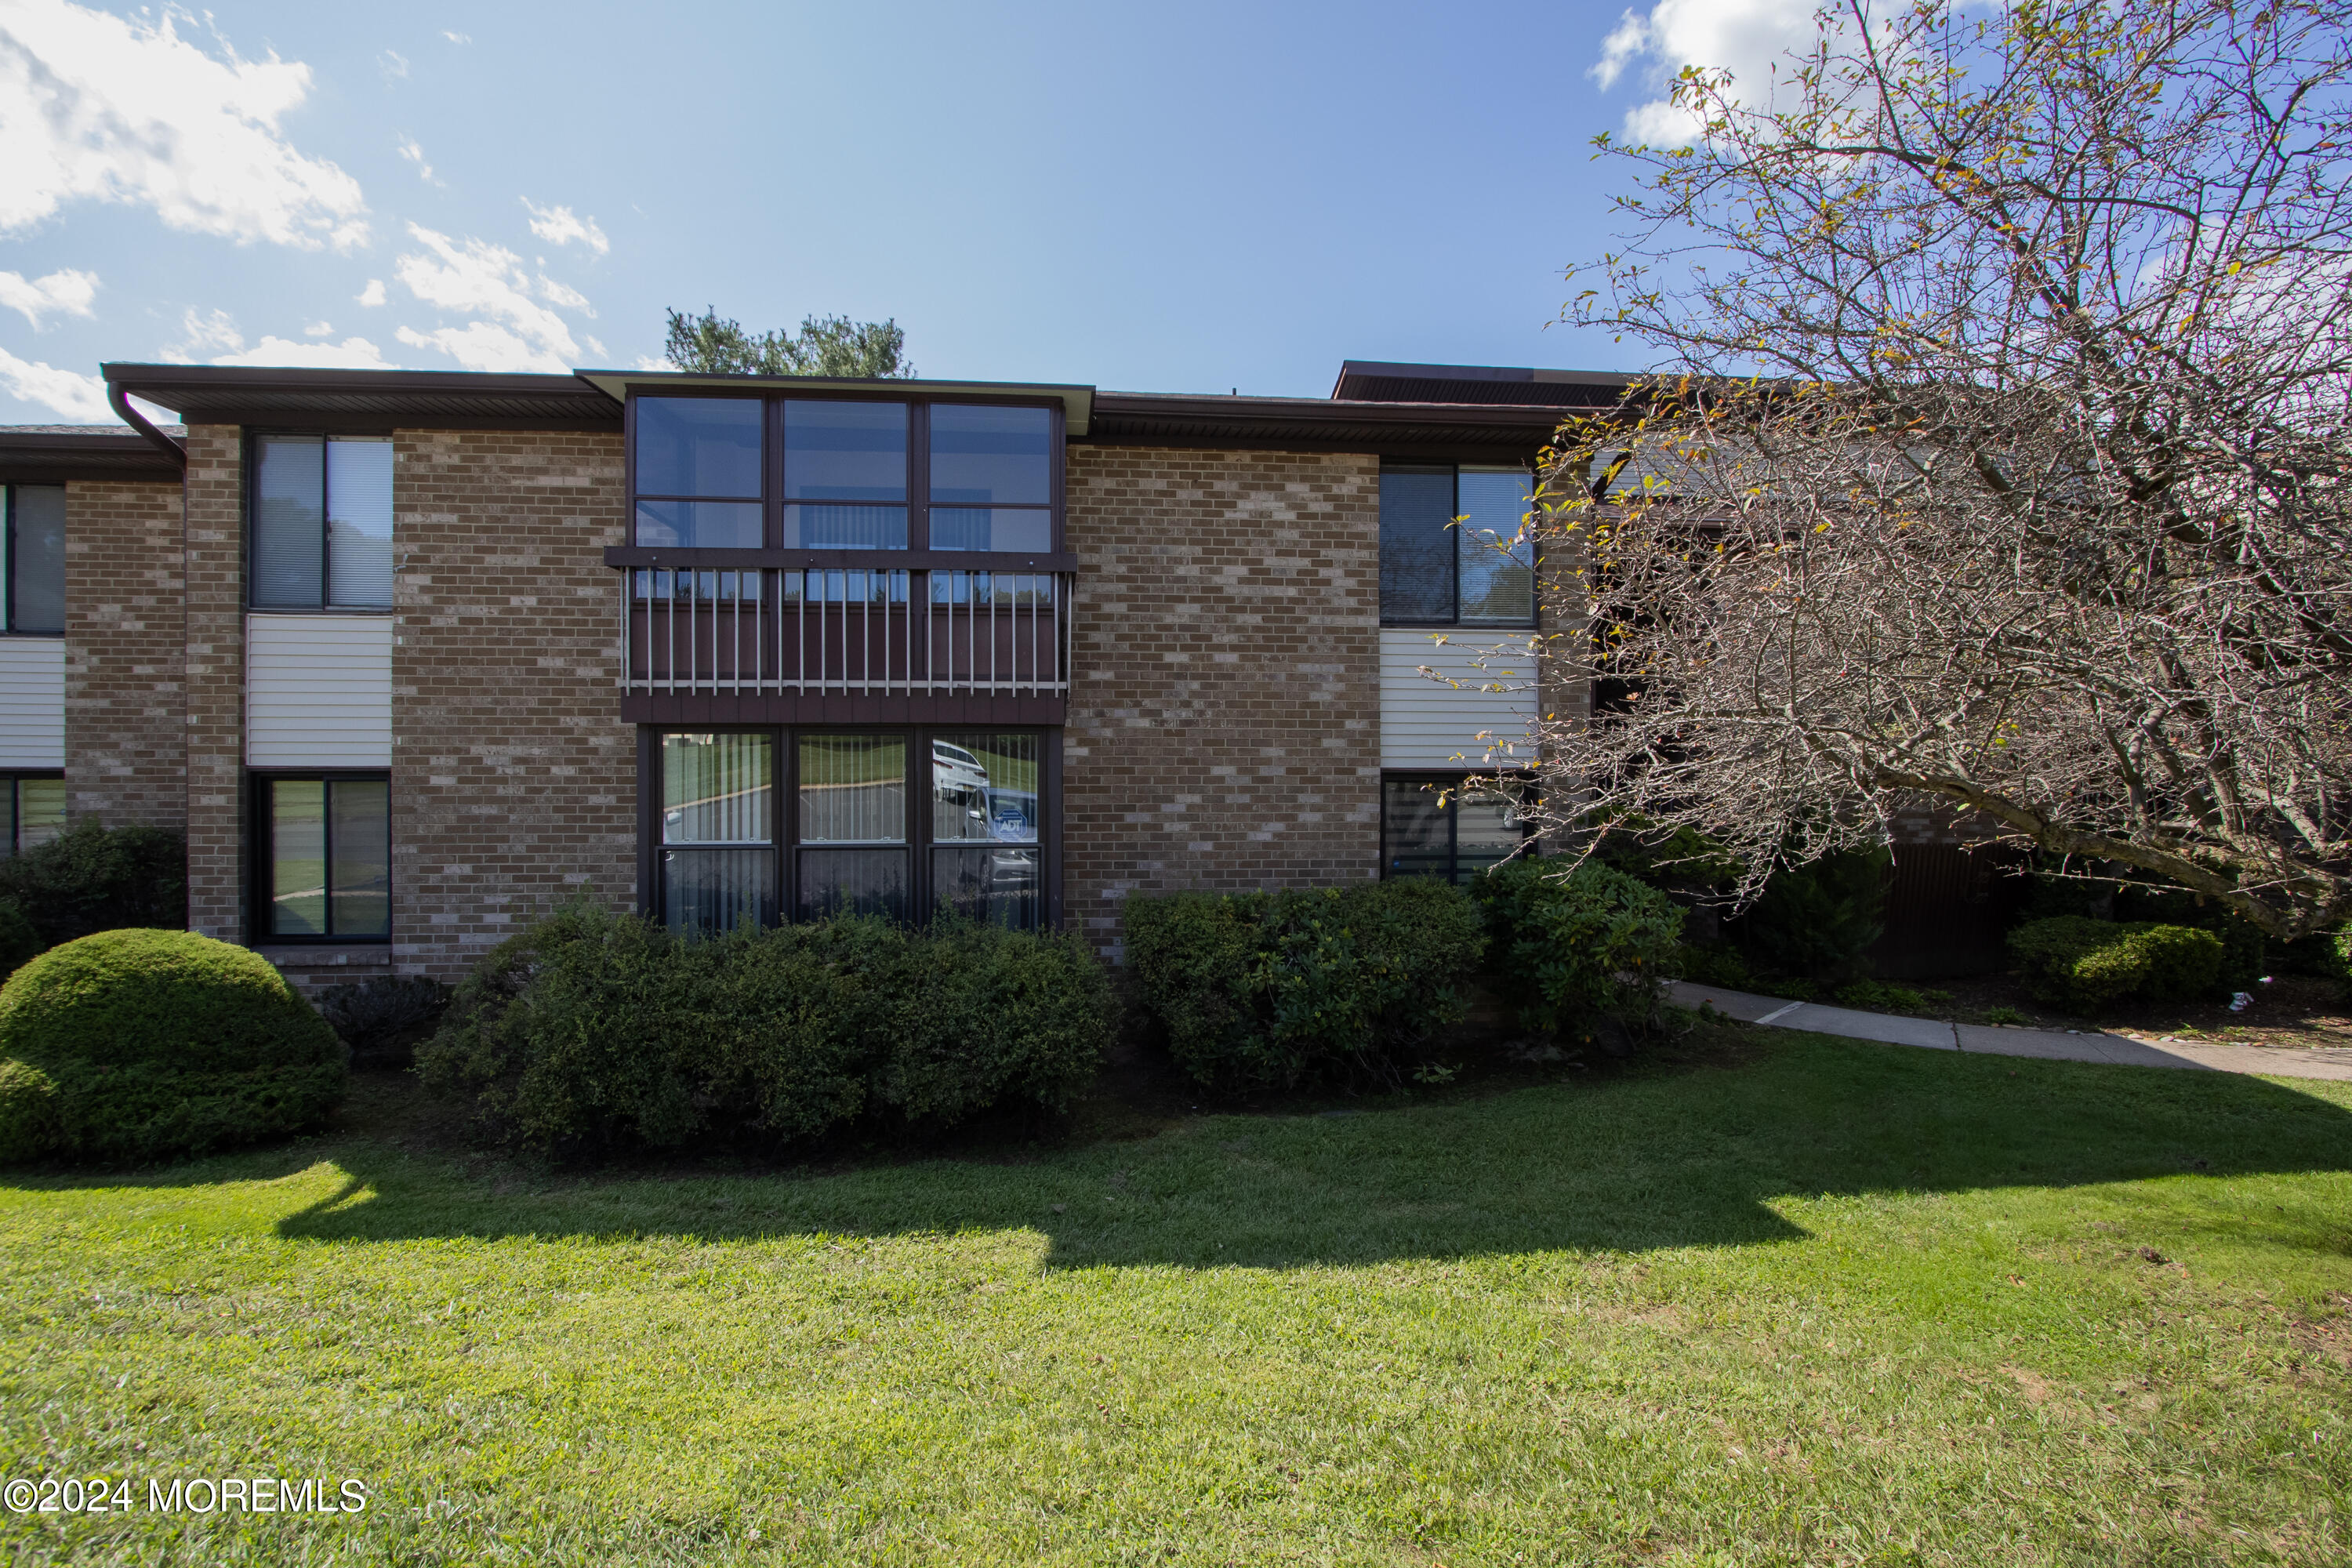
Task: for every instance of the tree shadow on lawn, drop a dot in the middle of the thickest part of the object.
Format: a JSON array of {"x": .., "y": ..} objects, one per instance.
[{"x": 1655, "y": 1159}]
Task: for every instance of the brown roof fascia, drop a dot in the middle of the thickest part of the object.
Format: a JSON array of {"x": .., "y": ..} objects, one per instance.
[
  {"x": 56, "y": 455},
  {"x": 370, "y": 400},
  {"x": 1320, "y": 425}
]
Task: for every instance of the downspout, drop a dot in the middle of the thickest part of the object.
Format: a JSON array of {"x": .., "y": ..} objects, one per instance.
[{"x": 120, "y": 402}]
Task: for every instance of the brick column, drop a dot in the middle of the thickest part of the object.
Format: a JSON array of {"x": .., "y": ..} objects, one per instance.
[
  {"x": 126, "y": 713},
  {"x": 213, "y": 564}
]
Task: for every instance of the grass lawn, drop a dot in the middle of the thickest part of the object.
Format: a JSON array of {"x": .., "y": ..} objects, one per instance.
[{"x": 1815, "y": 1301}]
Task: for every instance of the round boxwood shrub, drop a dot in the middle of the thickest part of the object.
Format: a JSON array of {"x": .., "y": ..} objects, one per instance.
[
  {"x": 2084, "y": 964},
  {"x": 144, "y": 1045}
]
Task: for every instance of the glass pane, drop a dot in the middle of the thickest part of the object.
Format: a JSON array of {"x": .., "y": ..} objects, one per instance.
[
  {"x": 845, "y": 451},
  {"x": 1499, "y": 586},
  {"x": 718, "y": 789},
  {"x": 40, "y": 810},
  {"x": 996, "y": 883},
  {"x": 359, "y": 879},
  {"x": 1485, "y": 831},
  {"x": 1416, "y": 544},
  {"x": 1416, "y": 839},
  {"x": 718, "y": 890},
  {"x": 992, "y": 528},
  {"x": 7, "y": 817},
  {"x": 289, "y": 518},
  {"x": 984, "y": 787},
  {"x": 37, "y": 577},
  {"x": 853, "y": 882},
  {"x": 699, "y": 447},
  {"x": 359, "y": 523},
  {"x": 981, "y": 456},
  {"x": 701, "y": 524},
  {"x": 853, "y": 789},
  {"x": 845, "y": 527},
  {"x": 297, "y": 858}
]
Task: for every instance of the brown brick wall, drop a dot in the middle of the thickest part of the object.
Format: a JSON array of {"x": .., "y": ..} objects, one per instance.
[
  {"x": 513, "y": 779},
  {"x": 1224, "y": 720},
  {"x": 214, "y": 568},
  {"x": 126, "y": 713}
]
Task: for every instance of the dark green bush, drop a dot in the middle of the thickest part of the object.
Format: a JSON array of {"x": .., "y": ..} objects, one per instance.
[
  {"x": 594, "y": 1031},
  {"x": 1571, "y": 945},
  {"x": 141, "y": 1045},
  {"x": 1816, "y": 920},
  {"x": 93, "y": 879},
  {"x": 1878, "y": 996},
  {"x": 18, "y": 940},
  {"x": 1269, "y": 990},
  {"x": 2084, "y": 964},
  {"x": 380, "y": 1018},
  {"x": 2246, "y": 950},
  {"x": 1714, "y": 963}
]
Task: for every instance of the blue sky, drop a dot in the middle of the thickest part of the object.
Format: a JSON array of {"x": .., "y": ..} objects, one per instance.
[{"x": 1189, "y": 198}]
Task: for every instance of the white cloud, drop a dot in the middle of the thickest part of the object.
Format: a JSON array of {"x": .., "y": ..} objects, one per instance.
[
  {"x": 475, "y": 278},
  {"x": 558, "y": 226},
  {"x": 480, "y": 345},
  {"x": 647, "y": 361},
  {"x": 319, "y": 330},
  {"x": 564, "y": 295},
  {"x": 71, "y": 392},
  {"x": 392, "y": 63},
  {"x": 1746, "y": 38},
  {"x": 415, "y": 154},
  {"x": 372, "y": 294},
  {"x": 102, "y": 108},
  {"x": 459, "y": 37},
  {"x": 64, "y": 293},
  {"x": 217, "y": 330}
]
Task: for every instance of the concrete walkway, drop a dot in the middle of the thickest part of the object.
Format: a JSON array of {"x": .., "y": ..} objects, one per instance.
[{"x": 1997, "y": 1040}]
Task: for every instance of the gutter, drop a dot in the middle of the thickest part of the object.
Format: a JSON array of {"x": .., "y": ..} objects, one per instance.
[{"x": 120, "y": 401}]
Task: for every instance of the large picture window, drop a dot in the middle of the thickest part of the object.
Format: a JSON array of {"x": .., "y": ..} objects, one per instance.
[
  {"x": 812, "y": 473},
  {"x": 35, "y": 806},
  {"x": 33, "y": 558},
  {"x": 803, "y": 824},
  {"x": 326, "y": 858},
  {"x": 1448, "y": 555},
  {"x": 321, "y": 524},
  {"x": 1446, "y": 826}
]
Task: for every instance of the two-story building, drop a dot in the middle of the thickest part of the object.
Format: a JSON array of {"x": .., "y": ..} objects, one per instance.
[{"x": 410, "y": 657}]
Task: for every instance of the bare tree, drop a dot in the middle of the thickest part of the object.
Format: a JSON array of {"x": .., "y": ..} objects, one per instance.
[{"x": 1998, "y": 455}]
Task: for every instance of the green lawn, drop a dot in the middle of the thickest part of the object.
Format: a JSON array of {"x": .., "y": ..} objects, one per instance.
[{"x": 1836, "y": 1303}]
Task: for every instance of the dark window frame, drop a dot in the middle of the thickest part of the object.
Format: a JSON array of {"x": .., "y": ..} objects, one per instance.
[
  {"x": 1453, "y": 553},
  {"x": 1444, "y": 779},
  {"x": 12, "y": 779},
  {"x": 260, "y": 874},
  {"x": 8, "y": 626},
  {"x": 918, "y": 504},
  {"x": 919, "y": 843},
  {"x": 249, "y": 473}
]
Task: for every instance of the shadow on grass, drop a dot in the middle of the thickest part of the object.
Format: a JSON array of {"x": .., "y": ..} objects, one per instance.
[{"x": 1667, "y": 1158}]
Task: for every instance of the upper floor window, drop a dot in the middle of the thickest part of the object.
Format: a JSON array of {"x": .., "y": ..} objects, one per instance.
[
  {"x": 1447, "y": 555},
  {"x": 810, "y": 473},
  {"x": 34, "y": 559},
  {"x": 321, "y": 522}
]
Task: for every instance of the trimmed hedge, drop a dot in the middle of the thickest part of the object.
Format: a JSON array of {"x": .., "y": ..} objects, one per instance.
[
  {"x": 93, "y": 878},
  {"x": 142, "y": 1045},
  {"x": 1571, "y": 944},
  {"x": 2082, "y": 964},
  {"x": 596, "y": 1033},
  {"x": 1270, "y": 990}
]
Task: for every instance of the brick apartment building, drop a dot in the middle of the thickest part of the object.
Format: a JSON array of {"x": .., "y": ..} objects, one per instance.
[{"x": 412, "y": 656}]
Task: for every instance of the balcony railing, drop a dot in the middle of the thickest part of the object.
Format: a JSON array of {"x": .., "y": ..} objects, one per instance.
[{"x": 880, "y": 631}]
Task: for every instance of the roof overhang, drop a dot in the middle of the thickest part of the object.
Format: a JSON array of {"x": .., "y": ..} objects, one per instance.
[
  {"x": 1385, "y": 381},
  {"x": 1500, "y": 433},
  {"x": 370, "y": 400},
  {"x": 1077, "y": 402},
  {"x": 56, "y": 455}
]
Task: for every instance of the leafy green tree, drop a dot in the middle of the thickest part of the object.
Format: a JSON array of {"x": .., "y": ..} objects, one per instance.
[{"x": 826, "y": 345}]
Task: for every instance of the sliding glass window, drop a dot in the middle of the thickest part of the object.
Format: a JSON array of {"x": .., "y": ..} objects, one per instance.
[
  {"x": 698, "y": 471},
  {"x": 844, "y": 475},
  {"x": 326, "y": 872},
  {"x": 321, "y": 524},
  {"x": 985, "y": 862},
  {"x": 852, "y": 803},
  {"x": 33, "y": 559},
  {"x": 718, "y": 830}
]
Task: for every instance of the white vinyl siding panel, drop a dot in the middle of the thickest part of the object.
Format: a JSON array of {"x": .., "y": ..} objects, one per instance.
[
  {"x": 317, "y": 691},
  {"x": 32, "y": 702},
  {"x": 1426, "y": 723}
]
